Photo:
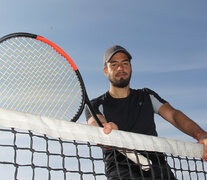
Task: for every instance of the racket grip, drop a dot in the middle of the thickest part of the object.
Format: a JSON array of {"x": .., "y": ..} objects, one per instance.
[{"x": 93, "y": 112}]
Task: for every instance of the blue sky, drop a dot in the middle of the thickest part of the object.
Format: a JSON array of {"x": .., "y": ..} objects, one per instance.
[{"x": 167, "y": 39}]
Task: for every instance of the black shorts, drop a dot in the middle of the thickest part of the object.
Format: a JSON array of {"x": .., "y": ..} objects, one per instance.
[{"x": 118, "y": 167}]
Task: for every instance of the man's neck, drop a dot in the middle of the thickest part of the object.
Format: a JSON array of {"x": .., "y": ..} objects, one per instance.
[{"x": 116, "y": 92}]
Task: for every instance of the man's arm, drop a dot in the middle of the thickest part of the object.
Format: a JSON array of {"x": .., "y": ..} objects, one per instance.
[
  {"x": 91, "y": 120},
  {"x": 185, "y": 124}
]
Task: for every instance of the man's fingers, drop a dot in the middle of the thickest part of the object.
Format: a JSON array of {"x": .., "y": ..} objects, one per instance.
[
  {"x": 204, "y": 142},
  {"x": 108, "y": 127}
]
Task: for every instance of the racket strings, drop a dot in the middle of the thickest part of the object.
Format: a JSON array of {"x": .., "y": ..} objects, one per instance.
[
  {"x": 37, "y": 79},
  {"x": 50, "y": 55}
]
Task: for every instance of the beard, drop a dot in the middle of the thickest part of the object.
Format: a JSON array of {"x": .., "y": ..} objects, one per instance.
[{"x": 121, "y": 83}]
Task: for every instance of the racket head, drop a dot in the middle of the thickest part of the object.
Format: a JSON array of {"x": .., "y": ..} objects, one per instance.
[{"x": 38, "y": 77}]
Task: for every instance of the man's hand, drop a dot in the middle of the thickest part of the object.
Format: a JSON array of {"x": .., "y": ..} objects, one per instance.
[
  {"x": 108, "y": 127},
  {"x": 203, "y": 140}
]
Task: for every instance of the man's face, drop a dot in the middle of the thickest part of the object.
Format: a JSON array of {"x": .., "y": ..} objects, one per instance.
[{"x": 118, "y": 70}]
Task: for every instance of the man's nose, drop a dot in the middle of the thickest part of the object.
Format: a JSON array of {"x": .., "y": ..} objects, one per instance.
[{"x": 120, "y": 66}]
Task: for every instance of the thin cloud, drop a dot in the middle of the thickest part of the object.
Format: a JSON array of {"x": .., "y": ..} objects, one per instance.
[{"x": 170, "y": 66}]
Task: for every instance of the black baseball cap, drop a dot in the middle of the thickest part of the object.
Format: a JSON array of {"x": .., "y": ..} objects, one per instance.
[{"x": 113, "y": 50}]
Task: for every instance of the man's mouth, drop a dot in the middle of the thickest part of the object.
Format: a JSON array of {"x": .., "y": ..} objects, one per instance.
[{"x": 121, "y": 74}]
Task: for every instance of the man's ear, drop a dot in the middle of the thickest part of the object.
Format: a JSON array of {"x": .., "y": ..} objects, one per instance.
[{"x": 105, "y": 70}]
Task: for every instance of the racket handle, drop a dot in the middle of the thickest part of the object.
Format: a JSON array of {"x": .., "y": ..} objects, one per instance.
[{"x": 93, "y": 112}]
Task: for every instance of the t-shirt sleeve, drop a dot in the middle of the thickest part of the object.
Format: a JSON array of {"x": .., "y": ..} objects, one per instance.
[
  {"x": 96, "y": 107},
  {"x": 156, "y": 100}
]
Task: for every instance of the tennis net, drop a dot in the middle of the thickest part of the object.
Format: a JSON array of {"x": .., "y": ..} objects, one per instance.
[{"x": 37, "y": 147}]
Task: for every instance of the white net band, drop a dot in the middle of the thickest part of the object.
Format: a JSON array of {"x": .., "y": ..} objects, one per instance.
[{"x": 75, "y": 131}]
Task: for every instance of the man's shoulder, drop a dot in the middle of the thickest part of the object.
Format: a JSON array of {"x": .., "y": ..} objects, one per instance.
[
  {"x": 146, "y": 92},
  {"x": 143, "y": 91},
  {"x": 152, "y": 94},
  {"x": 99, "y": 98}
]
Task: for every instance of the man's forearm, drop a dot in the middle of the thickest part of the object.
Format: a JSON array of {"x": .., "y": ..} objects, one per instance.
[
  {"x": 92, "y": 121},
  {"x": 186, "y": 125},
  {"x": 180, "y": 120}
]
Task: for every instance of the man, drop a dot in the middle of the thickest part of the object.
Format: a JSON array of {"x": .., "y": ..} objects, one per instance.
[{"x": 133, "y": 110}]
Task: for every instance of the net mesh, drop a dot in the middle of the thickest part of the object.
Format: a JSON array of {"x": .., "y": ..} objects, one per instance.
[
  {"x": 25, "y": 155},
  {"x": 72, "y": 151},
  {"x": 35, "y": 78}
]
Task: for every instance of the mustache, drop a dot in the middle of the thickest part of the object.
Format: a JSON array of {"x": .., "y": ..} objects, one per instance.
[{"x": 121, "y": 73}]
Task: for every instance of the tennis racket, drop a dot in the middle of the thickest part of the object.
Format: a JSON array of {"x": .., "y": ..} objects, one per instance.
[{"x": 38, "y": 77}]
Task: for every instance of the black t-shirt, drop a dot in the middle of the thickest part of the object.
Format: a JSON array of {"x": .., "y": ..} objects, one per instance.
[{"x": 134, "y": 113}]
